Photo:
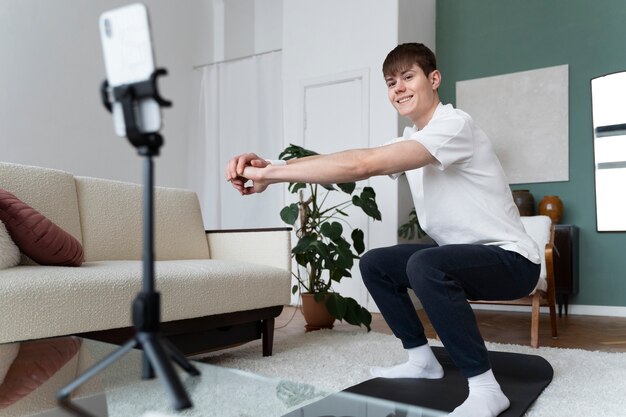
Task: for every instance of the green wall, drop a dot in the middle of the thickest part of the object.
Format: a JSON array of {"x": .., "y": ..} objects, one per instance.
[{"x": 481, "y": 38}]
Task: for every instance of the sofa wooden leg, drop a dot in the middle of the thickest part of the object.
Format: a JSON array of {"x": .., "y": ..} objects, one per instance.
[{"x": 267, "y": 328}]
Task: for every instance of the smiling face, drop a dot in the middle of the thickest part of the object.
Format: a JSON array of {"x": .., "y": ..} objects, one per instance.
[{"x": 414, "y": 94}]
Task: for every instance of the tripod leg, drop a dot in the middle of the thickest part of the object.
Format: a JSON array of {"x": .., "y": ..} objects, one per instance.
[
  {"x": 160, "y": 361},
  {"x": 148, "y": 371},
  {"x": 179, "y": 358},
  {"x": 64, "y": 393}
]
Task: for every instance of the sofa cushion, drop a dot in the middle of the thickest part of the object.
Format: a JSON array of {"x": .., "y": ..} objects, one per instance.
[
  {"x": 44, "y": 301},
  {"x": 49, "y": 191},
  {"x": 111, "y": 214},
  {"x": 39, "y": 238},
  {"x": 9, "y": 252}
]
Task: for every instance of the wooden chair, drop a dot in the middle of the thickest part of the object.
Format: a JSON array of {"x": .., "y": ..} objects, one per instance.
[{"x": 541, "y": 229}]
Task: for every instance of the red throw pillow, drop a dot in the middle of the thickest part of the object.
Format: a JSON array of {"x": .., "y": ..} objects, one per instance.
[{"x": 38, "y": 237}]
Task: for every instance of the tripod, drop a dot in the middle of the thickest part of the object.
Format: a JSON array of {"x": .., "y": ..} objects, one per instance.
[{"x": 146, "y": 309}]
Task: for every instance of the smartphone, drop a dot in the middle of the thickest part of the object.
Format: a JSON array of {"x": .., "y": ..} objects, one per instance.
[{"x": 129, "y": 58}]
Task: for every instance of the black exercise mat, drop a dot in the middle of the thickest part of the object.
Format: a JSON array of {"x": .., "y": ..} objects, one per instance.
[{"x": 522, "y": 378}]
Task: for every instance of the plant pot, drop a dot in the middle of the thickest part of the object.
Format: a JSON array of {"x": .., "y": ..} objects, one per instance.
[{"x": 315, "y": 314}]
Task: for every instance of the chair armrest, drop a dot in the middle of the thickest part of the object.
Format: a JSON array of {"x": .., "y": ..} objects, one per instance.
[{"x": 271, "y": 246}]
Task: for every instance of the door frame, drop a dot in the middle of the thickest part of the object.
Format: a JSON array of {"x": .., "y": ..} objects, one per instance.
[
  {"x": 336, "y": 78},
  {"x": 363, "y": 75}
]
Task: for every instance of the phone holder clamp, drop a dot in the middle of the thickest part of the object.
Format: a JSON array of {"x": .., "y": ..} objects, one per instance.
[{"x": 129, "y": 95}]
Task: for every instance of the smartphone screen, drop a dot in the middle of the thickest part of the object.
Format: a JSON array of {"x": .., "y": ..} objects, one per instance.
[{"x": 129, "y": 58}]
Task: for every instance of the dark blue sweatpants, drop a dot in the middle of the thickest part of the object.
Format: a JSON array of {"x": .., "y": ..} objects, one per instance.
[{"x": 444, "y": 278}]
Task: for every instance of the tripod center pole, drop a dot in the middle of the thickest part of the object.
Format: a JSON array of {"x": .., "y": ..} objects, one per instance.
[{"x": 148, "y": 224}]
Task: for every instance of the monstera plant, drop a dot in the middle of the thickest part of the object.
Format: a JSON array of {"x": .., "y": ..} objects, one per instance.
[
  {"x": 411, "y": 229},
  {"x": 322, "y": 252}
]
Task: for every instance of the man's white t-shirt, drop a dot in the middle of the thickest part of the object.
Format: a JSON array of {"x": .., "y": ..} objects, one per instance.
[{"x": 464, "y": 197}]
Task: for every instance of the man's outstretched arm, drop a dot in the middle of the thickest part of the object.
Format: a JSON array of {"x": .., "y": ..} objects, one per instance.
[{"x": 346, "y": 166}]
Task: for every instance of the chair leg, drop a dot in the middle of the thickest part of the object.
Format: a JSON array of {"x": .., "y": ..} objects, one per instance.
[
  {"x": 534, "y": 321},
  {"x": 552, "y": 306}
]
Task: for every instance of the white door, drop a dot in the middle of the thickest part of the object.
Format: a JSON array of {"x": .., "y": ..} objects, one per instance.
[{"x": 335, "y": 118}]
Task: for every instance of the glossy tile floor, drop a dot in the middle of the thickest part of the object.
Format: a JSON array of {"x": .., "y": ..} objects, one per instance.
[{"x": 607, "y": 334}]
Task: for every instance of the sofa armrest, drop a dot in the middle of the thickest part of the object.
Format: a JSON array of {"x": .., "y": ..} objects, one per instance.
[{"x": 271, "y": 247}]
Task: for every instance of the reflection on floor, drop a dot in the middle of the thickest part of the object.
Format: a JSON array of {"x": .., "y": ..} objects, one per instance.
[{"x": 36, "y": 362}]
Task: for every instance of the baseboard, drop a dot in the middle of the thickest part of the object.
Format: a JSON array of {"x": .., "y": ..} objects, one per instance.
[{"x": 573, "y": 309}]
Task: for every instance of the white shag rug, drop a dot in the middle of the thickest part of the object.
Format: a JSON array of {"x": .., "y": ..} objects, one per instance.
[{"x": 585, "y": 383}]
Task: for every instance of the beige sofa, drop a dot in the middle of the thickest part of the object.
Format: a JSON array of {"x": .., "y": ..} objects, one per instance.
[{"x": 217, "y": 289}]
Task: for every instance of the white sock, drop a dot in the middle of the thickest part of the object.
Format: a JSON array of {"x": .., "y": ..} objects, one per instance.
[
  {"x": 422, "y": 363},
  {"x": 485, "y": 399}
]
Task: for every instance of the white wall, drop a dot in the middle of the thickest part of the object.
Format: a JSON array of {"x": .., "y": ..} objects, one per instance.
[
  {"x": 268, "y": 25},
  {"x": 238, "y": 28},
  {"x": 246, "y": 27},
  {"x": 50, "y": 112}
]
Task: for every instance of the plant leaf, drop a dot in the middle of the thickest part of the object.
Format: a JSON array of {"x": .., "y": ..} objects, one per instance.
[
  {"x": 347, "y": 187},
  {"x": 353, "y": 312},
  {"x": 335, "y": 275},
  {"x": 411, "y": 228},
  {"x": 332, "y": 230},
  {"x": 295, "y": 186},
  {"x": 322, "y": 249},
  {"x": 301, "y": 259},
  {"x": 366, "y": 318},
  {"x": 289, "y": 214},
  {"x": 336, "y": 306},
  {"x": 345, "y": 257},
  {"x": 367, "y": 202},
  {"x": 294, "y": 151},
  {"x": 406, "y": 231},
  {"x": 304, "y": 243},
  {"x": 347, "y": 308},
  {"x": 318, "y": 297},
  {"x": 357, "y": 240}
]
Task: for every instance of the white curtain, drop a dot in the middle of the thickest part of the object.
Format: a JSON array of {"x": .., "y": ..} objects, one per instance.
[{"x": 240, "y": 110}]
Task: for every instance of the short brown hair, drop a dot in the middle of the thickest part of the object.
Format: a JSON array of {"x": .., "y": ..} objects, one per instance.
[{"x": 403, "y": 56}]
